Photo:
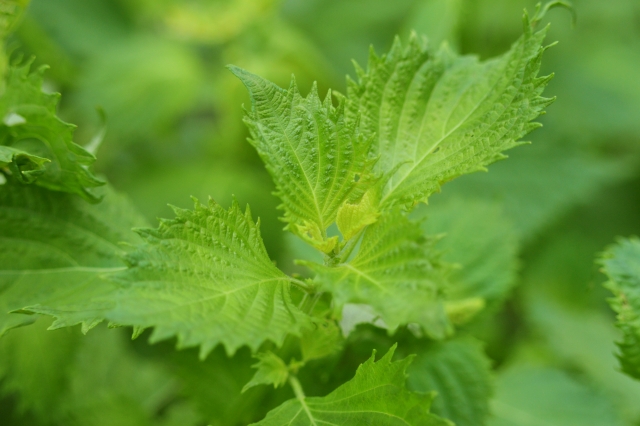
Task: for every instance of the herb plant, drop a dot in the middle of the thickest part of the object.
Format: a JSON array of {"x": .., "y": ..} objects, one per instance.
[{"x": 353, "y": 172}]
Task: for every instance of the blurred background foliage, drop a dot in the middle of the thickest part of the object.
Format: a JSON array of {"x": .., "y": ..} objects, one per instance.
[{"x": 174, "y": 128}]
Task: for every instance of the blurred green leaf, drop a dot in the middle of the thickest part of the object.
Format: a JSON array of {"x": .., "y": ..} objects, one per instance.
[
  {"x": 535, "y": 396},
  {"x": 30, "y": 125},
  {"x": 55, "y": 248},
  {"x": 460, "y": 374},
  {"x": 622, "y": 264},
  {"x": 481, "y": 241}
]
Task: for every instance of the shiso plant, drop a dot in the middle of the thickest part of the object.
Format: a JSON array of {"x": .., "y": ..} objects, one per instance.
[{"x": 350, "y": 170}]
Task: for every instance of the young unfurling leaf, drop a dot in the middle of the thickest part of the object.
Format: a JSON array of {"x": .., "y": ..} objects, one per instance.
[
  {"x": 396, "y": 271},
  {"x": 271, "y": 371},
  {"x": 316, "y": 157}
]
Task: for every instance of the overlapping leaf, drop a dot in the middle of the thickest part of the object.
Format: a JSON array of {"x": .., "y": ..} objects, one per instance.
[
  {"x": 396, "y": 271},
  {"x": 54, "y": 249},
  {"x": 375, "y": 396},
  {"x": 481, "y": 241},
  {"x": 460, "y": 373},
  {"x": 271, "y": 370},
  {"x": 622, "y": 265},
  {"x": 26, "y": 167},
  {"x": 32, "y": 131},
  {"x": 435, "y": 115},
  {"x": 62, "y": 377},
  {"x": 316, "y": 158},
  {"x": 206, "y": 278}
]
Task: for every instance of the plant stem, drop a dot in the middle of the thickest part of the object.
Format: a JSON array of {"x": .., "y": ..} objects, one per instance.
[{"x": 301, "y": 285}]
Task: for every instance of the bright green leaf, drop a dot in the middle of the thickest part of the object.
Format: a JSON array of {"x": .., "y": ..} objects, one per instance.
[
  {"x": 29, "y": 124},
  {"x": 271, "y": 371},
  {"x": 54, "y": 249},
  {"x": 622, "y": 265},
  {"x": 206, "y": 278},
  {"x": 460, "y": 373},
  {"x": 375, "y": 396},
  {"x": 435, "y": 115},
  {"x": 396, "y": 271},
  {"x": 316, "y": 158},
  {"x": 353, "y": 217}
]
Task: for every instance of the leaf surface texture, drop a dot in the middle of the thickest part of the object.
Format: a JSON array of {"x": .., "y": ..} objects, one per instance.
[
  {"x": 316, "y": 158},
  {"x": 436, "y": 115},
  {"x": 54, "y": 250},
  {"x": 376, "y": 395},
  {"x": 206, "y": 278},
  {"x": 397, "y": 271}
]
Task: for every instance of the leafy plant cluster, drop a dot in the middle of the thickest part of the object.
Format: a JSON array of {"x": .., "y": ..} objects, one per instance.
[{"x": 378, "y": 270}]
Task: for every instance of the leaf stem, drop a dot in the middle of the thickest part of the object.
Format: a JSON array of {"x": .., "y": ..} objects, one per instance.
[
  {"x": 309, "y": 289},
  {"x": 297, "y": 387},
  {"x": 351, "y": 244},
  {"x": 300, "y": 396}
]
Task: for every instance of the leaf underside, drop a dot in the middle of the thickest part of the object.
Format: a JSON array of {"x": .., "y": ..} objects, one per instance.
[{"x": 54, "y": 249}]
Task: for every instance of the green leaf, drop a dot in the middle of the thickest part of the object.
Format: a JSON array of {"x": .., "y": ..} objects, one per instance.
[
  {"x": 322, "y": 340},
  {"x": 11, "y": 12},
  {"x": 622, "y": 264},
  {"x": 375, "y": 396},
  {"x": 29, "y": 124},
  {"x": 481, "y": 241},
  {"x": 101, "y": 391},
  {"x": 396, "y": 271},
  {"x": 460, "y": 373},
  {"x": 317, "y": 159},
  {"x": 582, "y": 339},
  {"x": 206, "y": 278},
  {"x": 62, "y": 377},
  {"x": 54, "y": 249},
  {"x": 435, "y": 115},
  {"x": 527, "y": 396},
  {"x": 27, "y": 167},
  {"x": 214, "y": 385},
  {"x": 271, "y": 371},
  {"x": 542, "y": 182},
  {"x": 35, "y": 365}
]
